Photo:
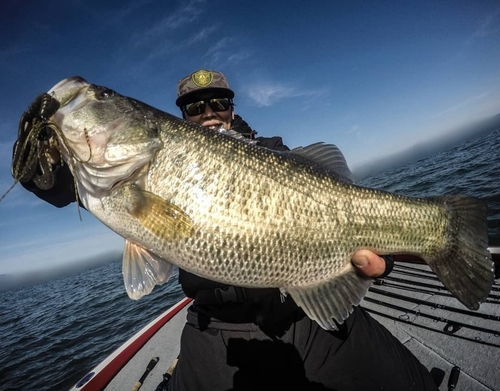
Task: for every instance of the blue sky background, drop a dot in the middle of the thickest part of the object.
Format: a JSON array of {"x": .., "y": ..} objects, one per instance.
[{"x": 372, "y": 77}]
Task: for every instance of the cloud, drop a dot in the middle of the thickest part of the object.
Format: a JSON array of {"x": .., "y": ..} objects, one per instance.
[
  {"x": 489, "y": 26},
  {"x": 465, "y": 102},
  {"x": 448, "y": 110},
  {"x": 238, "y": 56},
  {"x": 158, "y": 32},
  {"x": 179, "y": 45},
  {"x": 268, "y": 93},
  {"x": 175, "y": 33},
  {"x": 219, "y": 46},
  {"x": 129, "y": 9},
  {"x": 354, "y": 129},
  {"x": 226, "y": 51},
  {"x": 201, "y": 35},
  {"x": 183, "y": 16}
]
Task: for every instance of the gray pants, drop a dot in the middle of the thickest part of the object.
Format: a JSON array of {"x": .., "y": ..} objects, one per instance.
[{"x": 362, "y": 355}]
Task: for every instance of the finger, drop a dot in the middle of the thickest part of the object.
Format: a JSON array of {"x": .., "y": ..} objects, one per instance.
[{"x": 369, "y": 263}]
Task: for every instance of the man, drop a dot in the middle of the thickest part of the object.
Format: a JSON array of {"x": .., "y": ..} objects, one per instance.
[{"x": 238, "y": 338}]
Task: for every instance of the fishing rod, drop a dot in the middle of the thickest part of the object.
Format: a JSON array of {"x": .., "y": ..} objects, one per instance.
[
  {"x": 163, "y": 386},
  {"x": 428, "y": 275},
  {"x": 450, "y": 328},
  {"x": 419, "y": 284},
  {"x": 492, "y": 298},
  {"x": 413, "y": 284},
  {"x": 414, "y": 272},
  {"x": 493, "y": 249},
  {"x": 425, "y": 274},
  {"x": 453, "y": 379},
  {"x": 149, "y": 368},
  {"x": 421, "y": 271},
  {"x": 435, "y": 305}
]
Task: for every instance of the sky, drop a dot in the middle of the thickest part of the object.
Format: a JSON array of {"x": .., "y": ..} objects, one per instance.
[{"x": 374, "y": 78}]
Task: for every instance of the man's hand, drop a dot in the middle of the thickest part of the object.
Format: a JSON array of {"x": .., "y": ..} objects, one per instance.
[{"x": 369, "y": 264}]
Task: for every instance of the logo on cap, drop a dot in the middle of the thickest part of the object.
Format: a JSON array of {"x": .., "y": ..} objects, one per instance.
[{"x": 202, "y": 78}]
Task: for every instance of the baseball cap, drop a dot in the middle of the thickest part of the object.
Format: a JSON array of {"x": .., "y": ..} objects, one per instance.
[{"x": 201, "y": 84}]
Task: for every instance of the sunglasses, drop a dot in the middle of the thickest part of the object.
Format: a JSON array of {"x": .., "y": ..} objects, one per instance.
[{"x": 197, "y": 108}]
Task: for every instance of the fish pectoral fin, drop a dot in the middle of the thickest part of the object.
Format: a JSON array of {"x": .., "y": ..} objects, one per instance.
[
  {"x": 162, "y": 218},
  {"x": 331, "y": 302},
  {"x": 142, "y": 270}
]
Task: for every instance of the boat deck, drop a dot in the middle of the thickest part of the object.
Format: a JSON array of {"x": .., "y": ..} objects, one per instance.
[
  {"x": 439, "y": 330},
  {"x": 165, "y": 345},
  {"x": 410, "y": 302}
]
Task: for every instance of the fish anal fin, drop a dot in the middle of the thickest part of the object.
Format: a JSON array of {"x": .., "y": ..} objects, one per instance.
[
  {"x": 164, "y": 219},
  {"x": 331, "y": 302},
  {"x": 142, "y": 270}
]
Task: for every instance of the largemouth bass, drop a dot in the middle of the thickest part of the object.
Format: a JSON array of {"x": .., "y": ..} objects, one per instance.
[{"x": 237, "y": 213}]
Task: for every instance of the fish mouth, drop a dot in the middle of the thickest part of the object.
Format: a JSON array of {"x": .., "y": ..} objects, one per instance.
[
  {"x": 66, "y": 90},
  {"x": 89, "y": 149},
  {"x": 70, "y": 93}
]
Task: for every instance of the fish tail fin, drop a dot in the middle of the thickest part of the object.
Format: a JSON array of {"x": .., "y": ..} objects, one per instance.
[
  {"x": 330, "y": 303},
  {"x": 465, "y": 266}
]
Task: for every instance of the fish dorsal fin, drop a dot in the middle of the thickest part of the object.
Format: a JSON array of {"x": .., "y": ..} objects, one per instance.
[
  {"x": 142, "y": 270},
  {"x": 237, "y": 135},
  {"x": 328, "y": 156}
]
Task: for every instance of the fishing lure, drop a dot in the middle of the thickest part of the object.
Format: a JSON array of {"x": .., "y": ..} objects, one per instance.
[{"x": 31, "y": 158}]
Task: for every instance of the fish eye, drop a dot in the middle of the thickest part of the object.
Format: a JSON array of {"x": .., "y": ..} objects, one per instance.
[{"x": 105, "y": 94}]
